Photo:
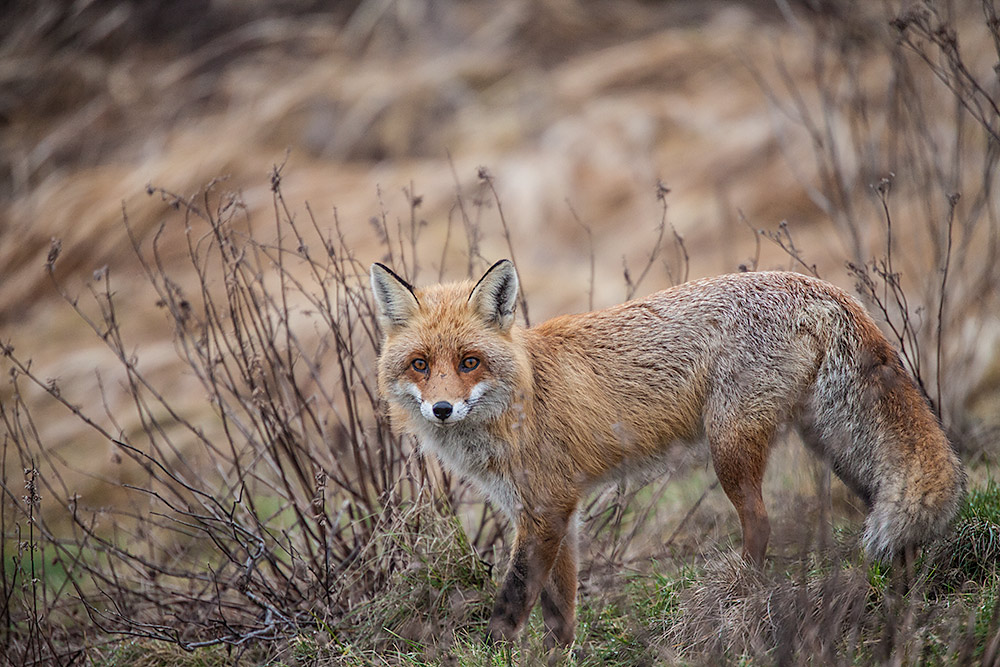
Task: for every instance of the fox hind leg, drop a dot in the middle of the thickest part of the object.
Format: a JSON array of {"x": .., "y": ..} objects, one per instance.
[{"x": 739, "y": 454}]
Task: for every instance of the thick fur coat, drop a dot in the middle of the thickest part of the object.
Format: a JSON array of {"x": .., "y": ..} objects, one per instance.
[{"x": 538, "y": 416}]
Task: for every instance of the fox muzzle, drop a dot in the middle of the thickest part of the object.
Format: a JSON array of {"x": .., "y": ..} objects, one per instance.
[{"x": 442, "y": 410}]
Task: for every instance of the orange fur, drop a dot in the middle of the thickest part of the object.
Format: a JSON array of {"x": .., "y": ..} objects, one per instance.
[{"x": 549, "y": 412}]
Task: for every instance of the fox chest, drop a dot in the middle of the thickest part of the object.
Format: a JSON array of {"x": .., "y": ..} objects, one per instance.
[{"x": 476, "y": 457}]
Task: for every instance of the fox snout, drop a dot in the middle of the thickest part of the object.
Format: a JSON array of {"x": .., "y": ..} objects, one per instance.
[{"x": 441, "y": 410}]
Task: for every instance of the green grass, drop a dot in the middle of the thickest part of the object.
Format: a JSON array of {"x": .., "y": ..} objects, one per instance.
[
  {"x": 45, "y": 563},
  {"x": 147, "y": 653},
  {"x": 982, "y": 502},
  {"x": 969, "y": 556},
  {"x": 433, "y": 610}
]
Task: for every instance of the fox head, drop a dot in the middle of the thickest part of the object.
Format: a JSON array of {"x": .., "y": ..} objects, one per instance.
[{"x": 449, "y": 355}]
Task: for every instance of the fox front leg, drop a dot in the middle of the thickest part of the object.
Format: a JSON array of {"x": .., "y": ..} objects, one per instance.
[
  {"x": 559, "y": 593},
  {"x": 536, "y": 548}
]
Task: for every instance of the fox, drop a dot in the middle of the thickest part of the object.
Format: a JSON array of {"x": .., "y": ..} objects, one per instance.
[{"x": 536, "y": 417}]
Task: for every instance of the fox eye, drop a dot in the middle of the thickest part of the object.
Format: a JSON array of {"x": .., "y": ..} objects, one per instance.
[
  {"x": 419, "y": 365},
  {"x": 469, "y": 364}
]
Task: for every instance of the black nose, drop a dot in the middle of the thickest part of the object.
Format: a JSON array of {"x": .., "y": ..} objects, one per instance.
[{"x": 442, "y": 410}]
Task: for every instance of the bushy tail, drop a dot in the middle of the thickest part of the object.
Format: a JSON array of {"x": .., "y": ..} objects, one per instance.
[
  {"x": 909, "y": 515},
  {"x": 870, "y": 420}
]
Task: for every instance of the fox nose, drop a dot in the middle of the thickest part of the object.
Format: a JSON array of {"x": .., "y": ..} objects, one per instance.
[{"x": 442, "y": 410}]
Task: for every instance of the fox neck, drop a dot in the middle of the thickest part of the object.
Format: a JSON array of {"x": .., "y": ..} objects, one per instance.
[
  {"x": 478, "y": 452},
  {"x": 483, "y": 450},
  {"x": 464, "y": 448}
]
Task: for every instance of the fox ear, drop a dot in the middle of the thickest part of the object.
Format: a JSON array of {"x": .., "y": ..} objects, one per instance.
[
  {"x": 495, "y": 295},
  {"x": 394, "y": 297}
]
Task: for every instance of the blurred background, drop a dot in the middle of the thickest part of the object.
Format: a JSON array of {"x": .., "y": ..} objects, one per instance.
[
  {"x": 695, "y": 137},
  {"x": 191, "y": 192}
]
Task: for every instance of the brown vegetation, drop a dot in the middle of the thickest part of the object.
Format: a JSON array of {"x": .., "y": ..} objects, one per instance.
[{"x": 192, "y": 447}]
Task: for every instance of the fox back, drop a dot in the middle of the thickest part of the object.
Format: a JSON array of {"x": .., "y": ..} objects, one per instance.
[{"x": 536, "y": 417}]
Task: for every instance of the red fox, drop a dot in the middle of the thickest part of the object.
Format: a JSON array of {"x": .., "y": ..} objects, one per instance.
[{"x": 538, "y": 416}]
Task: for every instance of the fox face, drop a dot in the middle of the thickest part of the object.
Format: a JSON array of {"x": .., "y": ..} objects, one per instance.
[
  {"x": 445, "y": 386},
  {"x": 448, "y": 358}
]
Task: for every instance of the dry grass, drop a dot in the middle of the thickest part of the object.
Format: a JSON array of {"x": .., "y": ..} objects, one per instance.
[{"x": 226, "y": 481}]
